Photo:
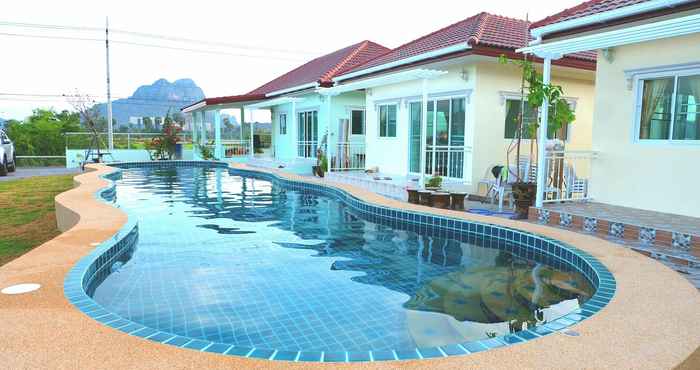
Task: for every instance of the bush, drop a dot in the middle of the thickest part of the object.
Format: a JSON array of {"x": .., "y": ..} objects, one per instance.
[{"x": 434, "y": 182}]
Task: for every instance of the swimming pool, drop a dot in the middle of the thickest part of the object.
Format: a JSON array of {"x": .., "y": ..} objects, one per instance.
[{"x": 248, "y": 264}]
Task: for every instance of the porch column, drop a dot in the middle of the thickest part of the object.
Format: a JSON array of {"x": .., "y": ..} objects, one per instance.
[
  {"x": 252, "y": 136},
  {"x": 423, "y": 130},
  {"x": 203, "y": 127},
  {"x": 218, "y": 148},
  {"x": 542, "y": 138},
  {"x": 329, "y": 145},
  {"x": 193, "y": 118},
  {"x": 240, "y": 133},
  {"x": 295, "y": 131}
]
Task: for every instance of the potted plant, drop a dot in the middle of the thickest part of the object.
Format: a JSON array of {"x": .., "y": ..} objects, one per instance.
[
  {"x": 321, "y": 164},
  {"x": 433, "y": 183},
  {"x": 533, "y": 92}
]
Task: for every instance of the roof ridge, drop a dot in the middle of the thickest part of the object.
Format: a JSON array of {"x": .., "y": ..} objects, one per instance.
[
  {"x": 331, "y": 72},
  {"x": 481, "y": 26}
]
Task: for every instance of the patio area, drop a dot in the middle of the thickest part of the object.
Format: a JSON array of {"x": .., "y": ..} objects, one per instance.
[{"x": 672, "y": 239}]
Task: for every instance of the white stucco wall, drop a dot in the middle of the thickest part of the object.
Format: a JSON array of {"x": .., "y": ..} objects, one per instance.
[
  {"x": 485, "y": 116},
  {"x": 655, "y": 176},
  {"x": 286, "y": 145}
]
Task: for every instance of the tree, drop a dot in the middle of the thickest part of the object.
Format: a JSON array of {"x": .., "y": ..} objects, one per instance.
[{"x": 43, "y": 132}]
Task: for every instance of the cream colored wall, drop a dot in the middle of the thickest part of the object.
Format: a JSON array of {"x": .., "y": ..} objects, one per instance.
[
  {"x": 492, "y": 78},
  {"x": 660, "y": 177},
  {"x": 486, "y": 112}
]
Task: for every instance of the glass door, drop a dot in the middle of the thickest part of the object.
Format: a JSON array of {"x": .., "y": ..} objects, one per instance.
[
  {"x": 445, "y": 140},
  {"x": 307, "y": 134}
]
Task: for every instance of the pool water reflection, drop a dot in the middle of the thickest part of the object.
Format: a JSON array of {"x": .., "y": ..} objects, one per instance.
[{"x": 244, "y": 261}]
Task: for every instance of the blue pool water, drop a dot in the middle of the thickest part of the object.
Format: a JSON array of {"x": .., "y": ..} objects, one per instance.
[{"x": 244, "y": 261}]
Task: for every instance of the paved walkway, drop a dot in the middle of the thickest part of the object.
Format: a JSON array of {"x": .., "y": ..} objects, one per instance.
[
  {"x": 632, "y": 216},
  {"x": 26, "y": 172}
]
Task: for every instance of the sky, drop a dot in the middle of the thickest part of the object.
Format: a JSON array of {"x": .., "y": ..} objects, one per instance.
[{"x": 270, "y": 38}]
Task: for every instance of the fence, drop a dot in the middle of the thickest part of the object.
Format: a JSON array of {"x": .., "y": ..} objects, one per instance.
[
  {"x": 349, "y": 157},
  {"x": 121, "y": 140},
  {"x": 568, "y": 175},
  {"x": 446, "y": 161}
]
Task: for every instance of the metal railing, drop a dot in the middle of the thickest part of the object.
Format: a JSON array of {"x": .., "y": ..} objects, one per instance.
[
  {"x": 568, "y": 175},
  {"x": 307, "y": 149},
  {"x": 235, "y": 148},
  {"x": 446, "y": 160},
  {"x": 348, "y": 157},
  {"x": 122, "y": 140}
]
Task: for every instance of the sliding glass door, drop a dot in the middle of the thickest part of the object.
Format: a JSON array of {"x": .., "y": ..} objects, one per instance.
[
  {"x": 444, "y": 143},
  {"x": 307, "y": 139}
]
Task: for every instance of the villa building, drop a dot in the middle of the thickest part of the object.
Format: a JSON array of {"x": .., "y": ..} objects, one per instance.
[
  {"x": 300, "y": 115},
  {"x": 646, "y": 123}
]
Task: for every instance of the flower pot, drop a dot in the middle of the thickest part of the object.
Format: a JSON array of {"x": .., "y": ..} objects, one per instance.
[
  {"x": 317, "y": 171},
  {"x": 524, "y": 194}
]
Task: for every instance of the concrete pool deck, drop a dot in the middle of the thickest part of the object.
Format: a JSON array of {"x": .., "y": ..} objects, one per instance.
[{"x": 652, "y": 322}]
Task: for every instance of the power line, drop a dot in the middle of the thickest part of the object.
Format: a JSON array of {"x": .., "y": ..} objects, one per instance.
[
  {"x": 28, "y": 95},
  {"x": 148, "y": 45},
  {"x": 154, "y": 36}
]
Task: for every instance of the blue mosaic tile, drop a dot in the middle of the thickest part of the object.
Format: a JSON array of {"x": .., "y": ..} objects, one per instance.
[{"x": 94, "y": 267}]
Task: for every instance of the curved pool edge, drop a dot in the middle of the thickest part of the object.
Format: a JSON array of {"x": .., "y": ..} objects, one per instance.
[{"x": 96, "y": 263}]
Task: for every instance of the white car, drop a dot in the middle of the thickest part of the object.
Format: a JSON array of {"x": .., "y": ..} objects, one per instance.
[{"x": 8, "y": 158}]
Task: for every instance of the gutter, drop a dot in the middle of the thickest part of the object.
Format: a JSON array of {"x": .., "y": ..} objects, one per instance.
[
  {"x": 606, "y": 16},
  {"x": 416, "y": 58},
  {"x": 292, "y": 89}
]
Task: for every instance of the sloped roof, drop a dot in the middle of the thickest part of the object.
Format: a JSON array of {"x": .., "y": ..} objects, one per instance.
[
  {"x": 323, "y": 69},
  {"x": 482, "y": 29},
  {"x": 585, "y": 9}
]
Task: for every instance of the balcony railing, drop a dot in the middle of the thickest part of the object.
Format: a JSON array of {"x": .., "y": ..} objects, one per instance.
[
  {"x": 235, "y": 148},
  {"x": 307, "y": 149},
  {"x": 568, "y": 175},
  {"x": 348, "y": 157},
  {"x": 447, "y": 160}
]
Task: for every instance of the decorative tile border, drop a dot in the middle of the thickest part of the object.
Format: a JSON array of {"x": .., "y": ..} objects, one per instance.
[
  {"x": 95, "y": 266},
  {"x": 673, "y": 245}
]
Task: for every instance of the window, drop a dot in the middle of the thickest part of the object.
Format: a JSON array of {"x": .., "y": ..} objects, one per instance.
[
  {"x": 387, "y": 120},
  {"x": 669, "y": 108},
  {"x": 513, "y": 108},
  {"x": 283, "y": 124},
  {"x": 357, "y": 121}
]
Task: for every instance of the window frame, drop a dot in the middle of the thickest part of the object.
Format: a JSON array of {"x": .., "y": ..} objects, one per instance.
[
  {"x": 572, "y": 104},
  {"x": 364, "y": 120},
  {"x": 379, "y": 121},
  {"x": 638, "y": 96},
  {"x": 283, "y": 132}
]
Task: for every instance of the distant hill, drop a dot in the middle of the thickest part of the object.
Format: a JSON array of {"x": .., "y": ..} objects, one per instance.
[{"x": 154, "y": 100}]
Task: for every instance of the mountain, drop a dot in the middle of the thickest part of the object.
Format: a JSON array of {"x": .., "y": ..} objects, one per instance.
[{"x": 154, "y": 100}]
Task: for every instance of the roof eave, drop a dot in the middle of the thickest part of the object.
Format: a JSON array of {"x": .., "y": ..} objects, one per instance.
[
  {"x": 417, "y": 58},
  {"x": 539, "y": 32}
]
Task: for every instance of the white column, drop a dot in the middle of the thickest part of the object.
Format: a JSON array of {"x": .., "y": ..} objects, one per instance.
[
  {"x": 542, "y": 138},
  {"x": 295, "y": 131},
  {"x": 240, "y": 133},
  {"x": 193, "y": 117},
  {"x": 329, "y": 131},
  {"x": 218, "y": 148},
  {"x": 252, "y": 137},
  {"x": 203, "y": 127},
  {"x": 423, "y": 130}
]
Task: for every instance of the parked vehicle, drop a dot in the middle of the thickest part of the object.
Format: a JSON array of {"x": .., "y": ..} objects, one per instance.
[{"x": 8, "y": 158}]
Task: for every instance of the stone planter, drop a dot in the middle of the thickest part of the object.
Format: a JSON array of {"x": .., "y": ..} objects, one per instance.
[{"x": 413, "y": 196}]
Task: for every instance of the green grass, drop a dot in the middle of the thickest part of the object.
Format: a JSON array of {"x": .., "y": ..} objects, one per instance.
[{"x": 27, "y": 214}]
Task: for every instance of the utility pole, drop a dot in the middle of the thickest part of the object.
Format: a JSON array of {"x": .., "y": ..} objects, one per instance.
[{"x": 110, "y": 129}]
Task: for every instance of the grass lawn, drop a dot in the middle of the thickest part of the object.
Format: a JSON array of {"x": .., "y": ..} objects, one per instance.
[{"x": 27, "y": 217}]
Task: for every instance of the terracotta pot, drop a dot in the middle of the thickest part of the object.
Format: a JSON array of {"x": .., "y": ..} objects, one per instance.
[{"x": 524, "y": 194}]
